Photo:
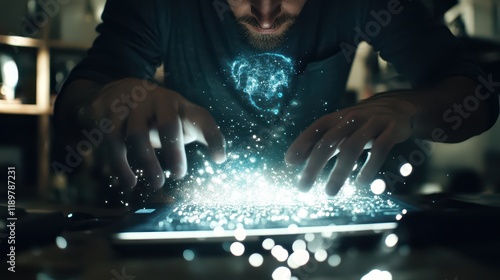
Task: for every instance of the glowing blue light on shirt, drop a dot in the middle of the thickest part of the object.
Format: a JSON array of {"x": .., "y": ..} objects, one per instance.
[{"x": 263, "y": 78}]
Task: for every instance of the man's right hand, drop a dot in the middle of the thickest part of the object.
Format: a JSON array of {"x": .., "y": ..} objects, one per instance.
[{"x": 135, "y": 107}]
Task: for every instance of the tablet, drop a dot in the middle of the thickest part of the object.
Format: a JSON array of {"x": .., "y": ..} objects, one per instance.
[
  {"x": 190, "y": 222},
  {"x": 244, "y": 200}
]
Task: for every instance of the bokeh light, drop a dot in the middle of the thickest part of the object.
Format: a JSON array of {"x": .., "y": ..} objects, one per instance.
[
  {"x": 378, "y": 186},
  {"x": 61, "y": 242},
  {"x": 406, "y": 170},
  {"x": 268, "y": 244},
  {"x": 321, "y": 255},
  {"x": 188, "y": 255},
  {"x": 237, "y": 249},
  {"x": 256, "y": 260},
  {"x": 391, "y": 240},
  {"x": 280, "y": 253},
  {"x": 334, "y": 260},
  {"x": 298, "y": 258},
  {"x": 299, "y": 244},
  {"x": 282, "y": 273}
]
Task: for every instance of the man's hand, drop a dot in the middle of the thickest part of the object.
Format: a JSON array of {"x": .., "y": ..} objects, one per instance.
[
  {"x": 382, "y": 122},
  {"x": 177, "y": 120}
]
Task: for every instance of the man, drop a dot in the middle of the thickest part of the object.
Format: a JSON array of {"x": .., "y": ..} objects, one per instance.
[{"x": 278, "y": 66}]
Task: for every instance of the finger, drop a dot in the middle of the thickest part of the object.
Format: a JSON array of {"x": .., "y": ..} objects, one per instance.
[
  {"x": 210, "y": 135},
  {"x": 172, "y": 142},
  {"x": 377, "y": 156},
  {"x": 117, "y": 154},
  {"x": 350, "y": 150},
  {"x": 142, "y": 152},
  {"x": 324, "y": 150},
  {"x": 302, "y": 147}
]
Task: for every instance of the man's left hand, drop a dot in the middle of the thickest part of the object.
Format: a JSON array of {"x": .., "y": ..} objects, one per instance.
[{"x": 380, "y": 122}]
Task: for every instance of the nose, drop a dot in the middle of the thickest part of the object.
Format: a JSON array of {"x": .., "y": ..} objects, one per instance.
[{"x": 266, "y": 12}]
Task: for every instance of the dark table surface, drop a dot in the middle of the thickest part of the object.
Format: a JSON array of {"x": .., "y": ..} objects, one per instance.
[{"x": 88, "y": 255}]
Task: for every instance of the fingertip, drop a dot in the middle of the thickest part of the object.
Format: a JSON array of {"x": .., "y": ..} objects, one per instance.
[
  {"x": 123, "y": 176},
  {"x": 363, "y": 180},
  {"x": 179, "y": 171},
  {"x": 127, "y": 180},
  {"x": 156, "y": 181},
  {"x": 220, "y": 158},
  {"x": 305, "y": 183},
  {"x": 217, "y": 148},
  {"x": 292, "y": 158},
  {"x": 333, "y": 188}
]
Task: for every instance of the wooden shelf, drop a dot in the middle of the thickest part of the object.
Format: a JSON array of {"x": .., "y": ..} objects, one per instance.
[
  {"x": 19, "y": 41},
  {"x": 43, "y": 109},
  {"x": 23, "y": 109}
]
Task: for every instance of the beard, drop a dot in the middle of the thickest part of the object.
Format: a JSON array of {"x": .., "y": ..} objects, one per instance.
[{"x": 266, "y": 42}]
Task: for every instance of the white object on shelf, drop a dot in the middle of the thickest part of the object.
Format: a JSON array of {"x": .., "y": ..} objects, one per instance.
[{"x": 9, "y": 77}]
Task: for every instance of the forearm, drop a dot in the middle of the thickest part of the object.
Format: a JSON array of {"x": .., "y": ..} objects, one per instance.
[{"x": 453, "y": 111}]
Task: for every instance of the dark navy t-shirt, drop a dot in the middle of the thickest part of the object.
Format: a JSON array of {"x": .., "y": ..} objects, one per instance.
[{"x": 277, "y": 94}]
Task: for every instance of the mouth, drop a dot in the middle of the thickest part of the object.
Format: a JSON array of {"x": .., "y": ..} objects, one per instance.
[
  {"x": 280, "y": 25},
  {"x": 261, "y": 30}
]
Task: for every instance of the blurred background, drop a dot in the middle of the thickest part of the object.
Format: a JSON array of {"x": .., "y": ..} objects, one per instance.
[{"x": 42, "y": 40}]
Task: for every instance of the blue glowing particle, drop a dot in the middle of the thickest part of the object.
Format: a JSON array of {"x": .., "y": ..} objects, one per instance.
[{"x": 263, "y": 78}]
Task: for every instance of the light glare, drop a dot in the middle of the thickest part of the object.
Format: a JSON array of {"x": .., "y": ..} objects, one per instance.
[
  {"x": 299, "y": 245},
  {"x": 237, "y": 249},
  {"x": 391, "y": 240},
  {"x": 280, "y": 253},
  {"x": 188, "y": 255},
  {"x": 321, "y": 255},
  {"x": 298, "y": 258},
  {"x": 377, "y": 274},
  {"x": 61, "y": 242},
  {"x": 256, "y": 260},
  {"x": 378, "y": 186},
  {"x": 282, "y": 273},
  {"x": 240, "y": 234},
  {"x": 406, "y": 170},
  {"x": 334, "y": 260},
  {"x": 268, "y": 244}
]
